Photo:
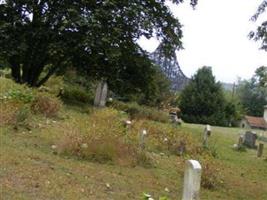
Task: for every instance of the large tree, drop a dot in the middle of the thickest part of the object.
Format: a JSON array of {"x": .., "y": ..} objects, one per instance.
[
  {"x": 40, "y": 37},
  {"x": 253, "y": 92},
  {"x": 202, "y": 100},
  {"x": 261, "y": 33}
]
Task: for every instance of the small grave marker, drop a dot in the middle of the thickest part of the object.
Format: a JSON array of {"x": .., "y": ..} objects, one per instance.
[
  {"x": 207, "y": 133},
  {"x": 260, "y": 150},
  {"x": 192, "y": 179},
  {"x": 142, "y": 139}
]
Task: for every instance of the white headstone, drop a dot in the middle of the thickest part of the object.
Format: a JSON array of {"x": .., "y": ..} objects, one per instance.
[
  {"x": 207, "y": 133},
  {"x": 192, "y": 179},
  {"x": 98, "y": 94},
  {"x": 104, "y": 94},
  {"x": 101, "y": 94},
  {"x": 142, "y": 138}
]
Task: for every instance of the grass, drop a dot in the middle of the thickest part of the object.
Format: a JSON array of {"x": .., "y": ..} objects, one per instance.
[{"x": 31, "y": 168}]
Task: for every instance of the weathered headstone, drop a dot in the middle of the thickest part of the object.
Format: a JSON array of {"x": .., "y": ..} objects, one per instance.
[
  {"x": 192, "y": 179},
  {"x": 207, "y": 133},
  {"x": 101, "y": 94},
  {"x": 250, "y": 139},
  {"x": 240, "y": 141},
  {"x": 260, "y": 149},
  {"x": 143, "y": 133},
  {"x": 181, "y": 148}
]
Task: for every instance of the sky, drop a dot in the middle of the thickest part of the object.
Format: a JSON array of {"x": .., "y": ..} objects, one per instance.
[{"x": 216, "y": 35}]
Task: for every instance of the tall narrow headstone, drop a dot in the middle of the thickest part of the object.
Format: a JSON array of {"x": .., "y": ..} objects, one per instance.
[
  {"x": 260, "y": 149},
  {"x": 101, "y": 94},
  {"x": 104, "y": 95},
  {"x": 192, "y": 180},
  {"x": 207, "y": 133}
]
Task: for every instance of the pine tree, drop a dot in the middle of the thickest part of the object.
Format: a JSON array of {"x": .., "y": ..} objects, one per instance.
[{"x": 202, "y": 101}]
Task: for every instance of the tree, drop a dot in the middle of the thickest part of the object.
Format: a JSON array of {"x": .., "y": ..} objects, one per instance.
[
  {"x": 261, "y": 33},
  {"x": 253, "y": 92},
  {"x": 40, "y": 37},
  {"x": 202, "y": 100}
]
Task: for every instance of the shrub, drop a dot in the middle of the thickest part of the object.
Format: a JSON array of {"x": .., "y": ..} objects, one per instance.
[
  {"x": 8, "y": 110},
  {"x": 21, "y": 116},
  {"x": 47, "y": 105},
  {"x": 55, "y": 84},
  {"x": 77, "y": 94},
  {"x": 141, "y": 112}
]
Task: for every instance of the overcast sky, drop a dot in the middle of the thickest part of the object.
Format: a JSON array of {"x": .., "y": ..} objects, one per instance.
[{"x": 215, "y": 34}]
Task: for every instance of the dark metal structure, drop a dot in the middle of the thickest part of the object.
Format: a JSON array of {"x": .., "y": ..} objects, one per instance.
[{"x": 170, "y": 68}]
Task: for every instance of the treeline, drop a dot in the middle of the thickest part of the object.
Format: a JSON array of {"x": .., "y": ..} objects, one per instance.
[{"x": 204, "y": 100}]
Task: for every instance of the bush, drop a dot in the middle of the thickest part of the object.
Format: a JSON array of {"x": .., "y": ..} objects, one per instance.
[
  {"x": 55, "y": 84},
  {"x": 47, "y": 105},
  {"x": 8, "y": 110},
  {"x": 141, "y": 112},
  {"x": 21, "y": 116},
  {"x": 77, "y": 94}
]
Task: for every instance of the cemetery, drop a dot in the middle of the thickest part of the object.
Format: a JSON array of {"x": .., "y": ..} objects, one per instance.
[
  {"x": 133, "y": 100},
  {"x": 127, "y": 157}
]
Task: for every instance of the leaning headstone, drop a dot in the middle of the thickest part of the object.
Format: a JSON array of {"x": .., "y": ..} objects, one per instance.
[
  {"x": 192, "y": 179},
  {"x": 260, "y": 149},
  {"x": 101, "y": 94},
  {"x": 207, "y": 133},
  {"x": 250, "y": 139}
]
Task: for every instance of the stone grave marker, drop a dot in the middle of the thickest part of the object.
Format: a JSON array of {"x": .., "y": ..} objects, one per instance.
[
  {"x": 101, "y": 94},
  {"x": 143, "y": 133},
  {"x": 207, "y": 133},
  {"x": 250, "y": 139},
  {"x": 260, "y": 150},
  {"x": 192, "y": 179}
]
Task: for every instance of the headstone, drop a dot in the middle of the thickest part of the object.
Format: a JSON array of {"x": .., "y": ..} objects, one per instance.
[
  {"x": 192, "y": 179},
  {"x": 142, "y": 139},
  {"x": 101, "y": 94},
  {"x": 181, "y": 148},
  {"x": 250, "y": 139},
  {"x": 207, "y": 133},
  {"x": 240, "y": 141},
  {"x": 260, "y": 149}
]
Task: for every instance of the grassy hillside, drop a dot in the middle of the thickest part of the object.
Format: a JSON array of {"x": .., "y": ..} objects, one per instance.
[{"x": 78, "y": 152}]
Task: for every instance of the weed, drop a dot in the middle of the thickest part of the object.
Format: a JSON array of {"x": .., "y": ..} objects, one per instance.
[{"x": 47, "y": 105}]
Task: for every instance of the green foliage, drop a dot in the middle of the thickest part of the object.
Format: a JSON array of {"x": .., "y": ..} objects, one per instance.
[
  {"x": 261, "y": 33},
  {"x": 137, "y": 111},
  {"x": 97, "y": 37},
  {"x": 253, "y": 93},
  {"x": 202, "y": 101},
  {"x": 76, "y": 94},
  {"x": 21, "y": 116},
  {"x": 25, "y": 96}
]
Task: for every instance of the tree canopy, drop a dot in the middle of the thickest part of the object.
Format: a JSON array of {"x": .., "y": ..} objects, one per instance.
[
  {"x": 202, "y": 100},
  {"x": 99, "y": 38},
  {"x": 253, "y": 92},
  {"x": 261, "y": 33}
]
